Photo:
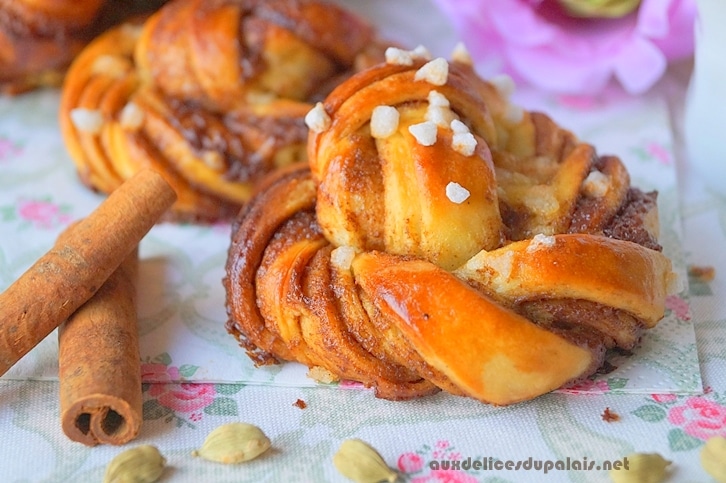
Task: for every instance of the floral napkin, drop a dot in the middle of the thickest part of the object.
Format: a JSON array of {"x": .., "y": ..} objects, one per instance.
[{"x": 181, "y": 297}]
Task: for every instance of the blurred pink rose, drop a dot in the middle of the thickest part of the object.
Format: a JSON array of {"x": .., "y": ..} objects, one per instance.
[
  {"x": 410, "y": 462},
  {"x": 445, "y": 476},
  {"x": 664, "y": 398},
  {"x": 186, "y": 397},
  {"x": 537, "y": 42},
  {"x": 43, "y": 214},
  {"x": 700, "y": 417}
]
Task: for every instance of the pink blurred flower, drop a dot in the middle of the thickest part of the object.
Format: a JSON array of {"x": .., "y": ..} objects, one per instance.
[
  {"x": 679, "y": 306},
  {"x": 41, "y": 213},
  {"x": 186, "y": 397},
  {"x": 700, "y": 417},
  {"x": 445, "y": 476},
  {"x": 588, "y": 385},
  {"x": 537, "y": 42},
  {"x": 664, "y": 398},
  {"x": 410, "y": 462}
]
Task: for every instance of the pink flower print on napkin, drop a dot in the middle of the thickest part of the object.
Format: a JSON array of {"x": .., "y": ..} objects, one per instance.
[
  {"x": 588, "y": 385},
  {"x": 181, "y": 397},
  {"x": 445, "y": 476},
  {"x": 410, "y": 462},
  {"x": 43, "y": 213},
  {"x": 679, "y": 307},
  {"x": 700, "y": 418},
  {"x": 664, "y": 398},
  {"x": 8, "y": 149},
  {"x": 184, "y": 397}
]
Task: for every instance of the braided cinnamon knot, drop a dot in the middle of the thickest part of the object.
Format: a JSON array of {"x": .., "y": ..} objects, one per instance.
[
  {"x": 442, "y": 238},
  {"x": 40, "y": 38},
  {"x": 212, "y": 94}
]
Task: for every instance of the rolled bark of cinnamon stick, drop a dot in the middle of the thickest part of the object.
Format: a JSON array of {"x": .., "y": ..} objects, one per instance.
[
  {"x": 99, "y": 367},
  {"x": 74, "y": 269}
]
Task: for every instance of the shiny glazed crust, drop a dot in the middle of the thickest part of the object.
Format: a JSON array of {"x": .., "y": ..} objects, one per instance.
[
  {"x": 212, "y": 94},
  {"x": 372, "y": 267}
]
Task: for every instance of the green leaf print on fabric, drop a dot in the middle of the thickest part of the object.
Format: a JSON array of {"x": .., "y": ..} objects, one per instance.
[
  {"x": 650, "y": 413},
  {"x": 678, "y": 440},
  {"x": 222, "y": 406}
]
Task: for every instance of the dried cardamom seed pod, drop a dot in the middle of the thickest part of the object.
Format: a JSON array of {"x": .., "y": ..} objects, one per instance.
[
  {"x": 713, "y": 458},
  {"x": 234, "y": 443},
  {"x": 641, "y": 468},
  {"x": 142, "y": 464},
  {"x": 358, "y": 461}
]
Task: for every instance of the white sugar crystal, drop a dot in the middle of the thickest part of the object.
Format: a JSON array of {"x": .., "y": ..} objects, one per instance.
[
  {"x": 596, "y": 184},
  {"x": 131, "y": 117},
  {"x": 461, "y": 54},
  {"x": 457, "y": 193},
  {"x": 459, "y": 127},
  {"x": 437, "y": 99},
  {"x": 111, "y": 65},
  {"x": 421, "y": 52},
  {"x": 503, "y": 264},
  {"x": 464, "y": 143},
  {"x": 434, "y": 72},
  {"x": 514, "y": 114},
  {"x": 504, "y": 85},
  {"x": 440, "y": 115},
  {"x": 425, "y": 133},
  {"x": 540, "y": 241},
  {"x": 384, "y": 121},
  {"x": 396, "y": 56},
  {"x": 317, "y": 119},
  {"x": 87, "y": 120},
  {"x": 342, "y": 257}
]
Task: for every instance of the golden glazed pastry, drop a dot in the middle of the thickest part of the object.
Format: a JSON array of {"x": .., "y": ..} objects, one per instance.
[
  {"x": 212, "y": 94},
  {"x": 442, "y": 238},
  {"x": 40, "y": 38}
]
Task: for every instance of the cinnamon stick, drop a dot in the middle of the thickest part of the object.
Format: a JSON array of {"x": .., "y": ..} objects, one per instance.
[
  {"x": 74, "y": 269},
  {"x": 99, "y": 366}
]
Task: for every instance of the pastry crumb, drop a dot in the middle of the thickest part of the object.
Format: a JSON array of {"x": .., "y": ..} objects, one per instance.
[
  {"x": 300, "y": 404},
  {"x": 425, "y": 133},
  {"x": 384, "y": 121},
  {"x": 702, "y": 274},
  {"x": 457, "y": 193},
  {"x": 434, "y": 72},
  {"x": 440, "y": 115},
  {"x": 610, "y": 416},
  {"x": 322, "y": 375},
  {"x": 318, "y": 120}
]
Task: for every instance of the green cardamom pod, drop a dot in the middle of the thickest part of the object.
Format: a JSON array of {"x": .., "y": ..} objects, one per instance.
[
  {"x": 142, "y": 464},
  {"x": 641, "y": 468},
  {"x": 713, "y": 458},
  {"x": 234, "y": 443},
  {"x": 358, "y": 461}
]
